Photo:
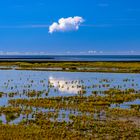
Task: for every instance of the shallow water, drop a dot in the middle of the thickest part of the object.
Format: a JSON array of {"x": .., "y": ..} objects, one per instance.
[{"x": 61, "y": 84}]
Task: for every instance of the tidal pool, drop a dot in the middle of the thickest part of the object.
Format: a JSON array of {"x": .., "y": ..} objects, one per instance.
[{"x": 18, "y": 84}]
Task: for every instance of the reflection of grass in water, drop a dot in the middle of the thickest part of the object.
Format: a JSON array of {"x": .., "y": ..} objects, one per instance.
[
  {"x": 136, "y": 107},
  {"x": 93, "y": 104},
  {"x": 34, "y": 93},
  {"x": 11, "y": 113},
  {"x": 80, "y": 126},
  {"x": 11, "y": 116},
  {"x": 82, "y": 103},
  {"x": 90, "y": 117},
  {"x": 1, "y": 94}
]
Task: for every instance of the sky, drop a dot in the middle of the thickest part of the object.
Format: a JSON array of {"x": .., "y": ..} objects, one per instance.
[{"x": 104, "y": 26}]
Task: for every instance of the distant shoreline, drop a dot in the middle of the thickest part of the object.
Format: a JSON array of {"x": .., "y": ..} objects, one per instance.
[
  {"x": 70, "y": 58},
  {"x": 60, "y": 61}
]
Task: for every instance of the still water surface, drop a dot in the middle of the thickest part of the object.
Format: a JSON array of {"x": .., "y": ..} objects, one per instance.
[{"x": 62, "y": 84}]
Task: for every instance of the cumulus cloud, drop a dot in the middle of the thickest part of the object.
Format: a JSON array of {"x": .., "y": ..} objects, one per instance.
[{"x": 66, "y": 24}]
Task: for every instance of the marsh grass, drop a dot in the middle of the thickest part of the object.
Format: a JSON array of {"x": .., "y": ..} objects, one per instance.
[
  {"x": 123, "y": 67},
  {"x": 80, "y": 116}
]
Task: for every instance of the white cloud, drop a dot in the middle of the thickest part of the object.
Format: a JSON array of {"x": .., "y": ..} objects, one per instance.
[{"x": 66, "y": 24}]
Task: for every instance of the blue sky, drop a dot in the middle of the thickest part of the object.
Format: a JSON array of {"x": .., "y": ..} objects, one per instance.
[{"x": 109, "y": 26}]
